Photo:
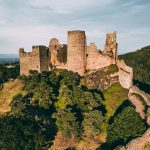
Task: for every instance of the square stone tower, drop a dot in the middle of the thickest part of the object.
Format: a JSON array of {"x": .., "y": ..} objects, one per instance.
[{"x": 38, "y": 60}]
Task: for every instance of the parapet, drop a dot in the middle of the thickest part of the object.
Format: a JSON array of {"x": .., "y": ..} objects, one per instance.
[{"x": 76, "y": 31}]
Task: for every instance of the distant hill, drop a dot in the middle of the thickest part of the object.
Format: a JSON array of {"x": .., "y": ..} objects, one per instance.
[
  {"x": 140, "y": 62},
  {"x": 8, "y": 58}
]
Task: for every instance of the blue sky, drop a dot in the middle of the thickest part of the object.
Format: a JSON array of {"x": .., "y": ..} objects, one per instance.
[{"x": 24, "y": 23}]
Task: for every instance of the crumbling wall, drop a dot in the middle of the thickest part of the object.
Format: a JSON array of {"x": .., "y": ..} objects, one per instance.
[
  {"x": 76, "y": 51},
  {"x": 125, "y": 74},
  {"x": 44, "y": 58},
  {"x": 38, "y": 60},
  {"x": 111, "y": 45},
  {"x": 145, "y": 96},
  {"x": 54, "y": 50},
  {"x": 97, "y": 60},
  {"x": 58, "y": 53}
]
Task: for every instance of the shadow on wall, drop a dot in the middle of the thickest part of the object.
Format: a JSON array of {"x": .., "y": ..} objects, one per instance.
[{"x": 142, "y": 86}]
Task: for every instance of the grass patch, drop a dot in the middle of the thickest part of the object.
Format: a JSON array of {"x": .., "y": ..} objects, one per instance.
[
  {"x": 112, "y": 69},
  {"x": 10, "y": 89},
  {"x": 114, "y": 97}
]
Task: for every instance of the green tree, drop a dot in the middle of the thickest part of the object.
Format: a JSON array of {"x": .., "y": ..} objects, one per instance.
[
  {"x": 126, "y": 125},
  {"x": 92, "y": 123},
  {"x": 17, "y": 104},
  {"x": 21, "y": 133},
  {"x": 66, "y": 122},
  {"x": 43, "y": 95}
]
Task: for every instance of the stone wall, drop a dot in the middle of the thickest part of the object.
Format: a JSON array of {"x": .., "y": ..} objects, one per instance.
[
  {"x": 58, "y": 54},
  {"x": 76, "y": 51},
  {"x": 138, "y": 143},
  {"x": 97, "y": 60},
  {"x": 145, "y": 96},
  {"x": 125, "y": 74},
  {"x": 36, "y": 60},
  {"x": 141, "y": 100}
]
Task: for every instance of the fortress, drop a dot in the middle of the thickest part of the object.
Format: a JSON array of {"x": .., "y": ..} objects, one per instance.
[{"x": 76, "y": 56}]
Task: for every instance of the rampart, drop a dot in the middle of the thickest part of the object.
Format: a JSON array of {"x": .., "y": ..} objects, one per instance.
[
  {"x": 95, "y": 58},
  {"x": 125, "y": 74}
]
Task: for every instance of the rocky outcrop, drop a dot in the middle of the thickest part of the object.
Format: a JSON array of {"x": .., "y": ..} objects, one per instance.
[
  {"x": 138, "y": 144},
  {"x": 102, "y": 78}
]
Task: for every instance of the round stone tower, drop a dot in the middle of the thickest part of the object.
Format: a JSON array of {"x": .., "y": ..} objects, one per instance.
[{"x": 76, "y": 51}]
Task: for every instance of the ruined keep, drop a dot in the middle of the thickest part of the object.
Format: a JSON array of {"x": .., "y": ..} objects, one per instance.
[
  {"x": 38, "y": 59},
  {"x": 76, "y": 56}
]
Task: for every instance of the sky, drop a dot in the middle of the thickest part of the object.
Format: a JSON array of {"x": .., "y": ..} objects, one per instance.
[{"x": 24, "y": 23}]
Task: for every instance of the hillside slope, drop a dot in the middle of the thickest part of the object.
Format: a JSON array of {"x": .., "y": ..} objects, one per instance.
[
  {"x": 10, "y": 89},
  {"x": 140, "y": 62}
]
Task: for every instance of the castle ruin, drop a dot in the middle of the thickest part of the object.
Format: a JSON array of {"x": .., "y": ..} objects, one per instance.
[{"x": 76, "y": 56}]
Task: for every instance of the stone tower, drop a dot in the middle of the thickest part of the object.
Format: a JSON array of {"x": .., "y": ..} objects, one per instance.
[
  {"x": 38, "y": 59},
  {"x": 54, "y": 49},
  {"x": 76, "y": 55},
  {"x": 111, "y": 45}
]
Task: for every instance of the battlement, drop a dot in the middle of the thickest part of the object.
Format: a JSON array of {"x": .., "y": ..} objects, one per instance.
[
  {"x": 37, "y": 59},
  {"x": 76, "y": 32}
]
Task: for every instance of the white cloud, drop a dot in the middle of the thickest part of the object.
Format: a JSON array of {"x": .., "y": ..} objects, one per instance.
[
  {"x": 67, "y": 6},
  {"x": 28, "y": 22}
]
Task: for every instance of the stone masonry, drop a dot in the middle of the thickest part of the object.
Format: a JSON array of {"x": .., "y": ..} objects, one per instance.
[
  {"x": 76, "y": 51},
  {"x": 76, "y": 57},
  {"x": 38, "y": 60}
]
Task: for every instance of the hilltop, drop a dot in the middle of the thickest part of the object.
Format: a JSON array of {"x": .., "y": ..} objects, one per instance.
[{"x": 60, "y": 109}]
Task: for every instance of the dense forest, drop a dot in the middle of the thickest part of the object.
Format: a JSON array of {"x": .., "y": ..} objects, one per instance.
[
  {"x": 8, "y": 72},
  {"x": 140, "y": 62},
  {"x": 56, "y": 102}
]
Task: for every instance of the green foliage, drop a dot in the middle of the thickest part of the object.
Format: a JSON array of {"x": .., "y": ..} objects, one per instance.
[
  {"x": 57, "y": 99},
  {"x": 18, "y": 133},
  {"x": 114, "y": 96},
  {"x": 112, "y": 69},
  {"x": 8, "y": 73},
  {"x": 126, "y": 125},
  {"x": 139, "y": 61},
  {"x": 66, "y": 122},
  {"x": 17, "y": 104},
  {"x": 42, "y": 95},
  {"x": 92, "y": 123},
  {"x": 32, "y": 81},
  {"x": 69, "y": 78}
]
